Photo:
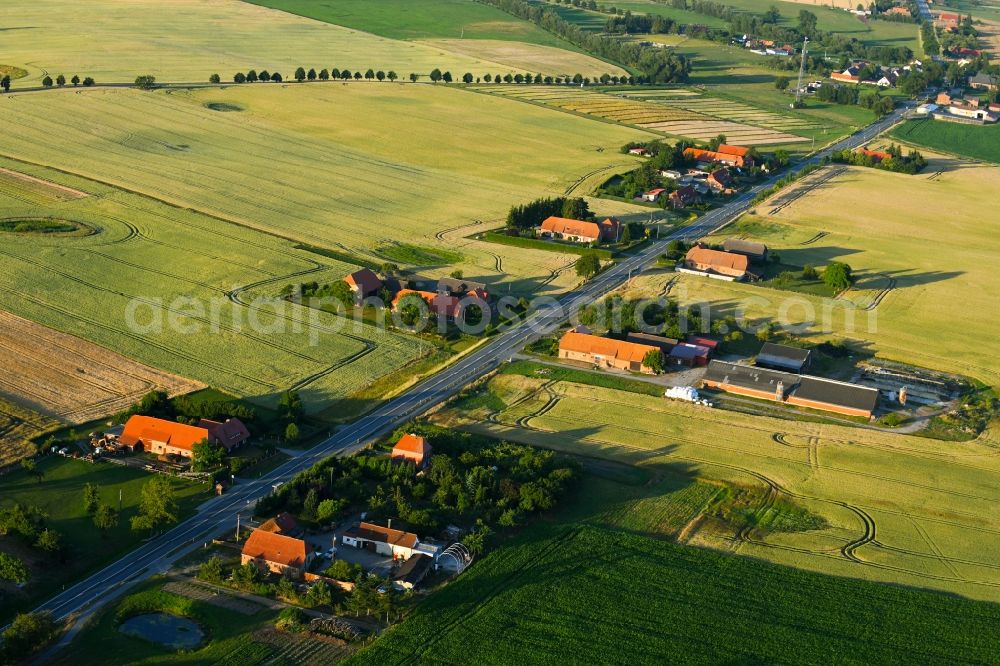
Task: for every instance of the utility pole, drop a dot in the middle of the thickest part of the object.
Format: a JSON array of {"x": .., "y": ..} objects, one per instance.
[
  {"x": 237, "y": 527},
  {"x": 802, "y": 70},
  {"x": 119, "y": 500}
]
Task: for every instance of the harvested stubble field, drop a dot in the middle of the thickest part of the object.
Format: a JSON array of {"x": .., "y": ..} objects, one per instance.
[
  {"x": 925, "y": 260},
  {"x": 119, "y": 288},
  {"x": 527, "y": 57},
  {"x": 69, "y": 379},
  {"x": 899, "y": 508},
  {"x": 348, "y": 167},
  {"x": 679, "y": 117},
  {"x": 194, "y": 38}
]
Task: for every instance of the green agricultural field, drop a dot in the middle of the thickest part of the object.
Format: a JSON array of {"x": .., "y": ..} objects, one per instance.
[
  {"x": 194, "y": 38},
  {"x": 575, "y": 590},
  {"x": 60, "y": 496},
  {"x": 346, "y": 167},
  {"x": 919, "y": 245},
  {"x": 980, "y": 142},
  {"x": 147, "y": 257},
  {"x": 893, "y": 508}
]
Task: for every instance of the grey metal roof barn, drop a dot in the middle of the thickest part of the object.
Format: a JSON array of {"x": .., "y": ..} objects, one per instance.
[{"x": 781, "y": 357}]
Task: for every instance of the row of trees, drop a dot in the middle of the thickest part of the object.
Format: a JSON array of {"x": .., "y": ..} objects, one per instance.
[
  {"x": 910, "y": 163},
  {"x": 529, "y": 215},
  {"x": 59, "y": 81}
]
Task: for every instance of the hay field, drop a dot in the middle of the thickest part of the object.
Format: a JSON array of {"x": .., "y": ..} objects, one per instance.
[
  {"x": 350, "y": 167},
  {"x": 677, "y": 113},
  {"x": 173, "y": 289},
  {"x": 187, "y": 40},
  {"x": 899, "y": 509},
  {"x": 923, "y": 246},
  {"x": 531, "y": 57}
]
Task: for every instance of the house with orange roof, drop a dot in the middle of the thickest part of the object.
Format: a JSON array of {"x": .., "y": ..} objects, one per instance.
[
  {"x": 273, "y": 552},
  {"x": 228, "y": 434},
  {"x": 412, "y": 448},
  {"x": 363, "y": 283},
  {"x": 580, "y": 231},
  {"x": 877, "y": 155},
  {"x": 160, "y": 436},
  {"x": 283, "y": 523},
  {"x": 442, "y": 305},
  {"x": 605, "y": 352},
  {"x": 386, "y": 541},
  {"x": 727, "y": 265},
  {"x": 737, "y": 156}
]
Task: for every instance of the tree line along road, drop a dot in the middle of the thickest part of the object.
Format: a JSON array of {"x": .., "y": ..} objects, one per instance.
[{"x": 220, "y": 513}]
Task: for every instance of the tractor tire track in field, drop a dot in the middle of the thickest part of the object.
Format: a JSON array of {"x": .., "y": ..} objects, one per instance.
[
  {"x": 935, "y": 550},
  {"x": 880, "y": 296},
  {"x": 819, "y": 236},
  {"x": 806, "y": 187},
  {"x": 579, "y": 181},
  {"x": 440, "y": 235}
]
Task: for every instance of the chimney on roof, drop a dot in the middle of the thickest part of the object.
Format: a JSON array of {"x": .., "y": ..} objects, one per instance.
[
  {"x": 388, "y": 525},
  {"x": 779, "y": 392}
]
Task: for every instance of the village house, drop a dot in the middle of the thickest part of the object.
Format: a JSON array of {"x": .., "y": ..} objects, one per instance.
[
  {"x": 462, "y": 287},
  {"x": 850, "y": 75},
  {"x": 411, "y": 572},
  {"x": 581, "y": 231},
  {"x": 605, "y": 352},
  {"x": 983, "y": 82},
  {"x": 736, "y": 156},
  {"x": 898, "y": 10},
  {"x": 653, "y": 195},
  {"x": 784, "y": 358},
  {"x": 727, "y": 265},
  {"x": 720, "y": 180},
  {"x": 441, "y": 304},
  {"x": 363, "y": 283},
  {"x": 684, "y": 196},
  {"x": 800, "y": 390},
  {"x": 756, "y": 252},
  {"x": 397, "y": 544},
  {"x": 284, "y": 523},
  {"x": 413, "y": 449},
  {"x": 272, "y": 552},
  {"x": 163, "y": 437}
]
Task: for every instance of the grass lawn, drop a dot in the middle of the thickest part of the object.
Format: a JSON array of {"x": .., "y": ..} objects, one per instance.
[
  {"x": 929, "y": 502},
  {"x": 585, "y": 586},
  {"x": 980, "y": 142},
  {"x": 60, "y": 496}
]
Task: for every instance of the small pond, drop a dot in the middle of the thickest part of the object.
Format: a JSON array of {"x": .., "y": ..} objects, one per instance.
[{"x": 165, "y": 629}]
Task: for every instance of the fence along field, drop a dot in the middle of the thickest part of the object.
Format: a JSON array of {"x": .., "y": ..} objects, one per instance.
[
  {"x": 147, "y": 250},
  {"x": 346, "y": 167},
  {"x": 901, "y": 509},
  {"x": 196, "y": 38},
  {"x": 677, "y": 115}
]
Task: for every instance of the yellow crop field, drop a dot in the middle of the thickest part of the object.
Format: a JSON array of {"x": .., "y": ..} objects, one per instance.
[
  {"x": 187, "y": 40},
  {"x": 521, "y": 56},
  {"x": 351, "y": 167},
  {"x": 922, "y": 249},
  {"x": 898, "y": 508}
]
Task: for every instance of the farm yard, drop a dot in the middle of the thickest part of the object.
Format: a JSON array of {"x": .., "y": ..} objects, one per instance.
[
  {"x": 143, "y": 256},
  {"x": 683, "y": 113},
  {"x": 576, "y": 589},
  {"x": 929, "y": 279},
  {"x": 896, "y": 508},
  {"x": 335, "y": 181},
  {"x": 205, "y": 36}
]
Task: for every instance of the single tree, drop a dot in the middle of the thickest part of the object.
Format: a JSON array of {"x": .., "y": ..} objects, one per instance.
[
  {"x": 467, "y": 78},
  {"x": 457, "y": 274},
  {"x": 380, "y": 75},
  {"x": 47, "y": 81},
  {"x": 105, "y": 518},
  {"x": 206, "y": 455},
  {"x": 49, "y": 541},
  {"x": 264, "y": 76},
  {"x": 252, "y": 76},
  {"x": 157, "y": 504},
  {"x": 291, "y": 433},
  {"x": 91, "y": 498},
  {"x": 588, "y": 265},
  {"x": 12, "y": 569},
  {"x": 239, "y": 77},
  {"x": 837, "y": 276},
  {"x": 324, "y": 75},
  {"x": 26, "y": 633},
  {"x": 487, "y": 78},
  {"x": 414, "y": 77},
  {"x": 5, "y": 83},
  {"x": 290, "y": 405},
  {"x": 446, "y": 77},
  {"x": 781, "y": 82},
  {"x": 335, "y": 73},
  {"x": 75, "y": 80},
  {"x": 391, "y": 75},
  {"x": 88, "y": 81},
  {"x": 311, "y": 74},
  {"x": 211, "y": 570},
  {"x": 345, "y": 74},
  {"x": 357, "y": 75},
  {"x": 276, "y": 77},
  {"x": 215, "y": 78},
  {"x": 654, "y": 360},
  {"x": 435, "y": 75},
  {"x": 369, "y": 75},
  {"x": 300, "y": 74},
  {"x": 60, "y": 80},
  {"x": 145, "y": 82},
  {"x": 29, "y": 466}
]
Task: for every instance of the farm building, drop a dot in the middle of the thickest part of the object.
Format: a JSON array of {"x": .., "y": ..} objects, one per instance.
[
  {"x": 800, "y": 390},
  {"x": 750, "y": 249},
  {"x": 703, "y": 342},
  {"x": 161, "y": 437},
  {"x": 736, "y": 156},
  {"x": 728, "y": 265},
  {"x": 664, "y": 344},
  {"x": 684, "y": 196},
  {"x": 653, "y": 195},
  {"x": 580, "y": 231},
  {"x": 605, "y": 352},
  {"x": 363, "y": 283},
  {"x": 284, "y": 523},
  {"x": 277, "y": 553},
  {"x": 382, "y": 540},
  {"x": 983, "y": 82},
  {"x": 228, "y": 434},
  {"x": 720, "y": 180},
  {"x": 441, "y": 305},
  {"x": 640, "y": 151},
  {"x": 412, "y": 448},
  {"x": 412, "y": 571},
  {"x": 462, "y": 287},
  {"x": 782, "y": 357},
  {"x": 850, "y": 75},
  {"x": 689, "y": 355}
]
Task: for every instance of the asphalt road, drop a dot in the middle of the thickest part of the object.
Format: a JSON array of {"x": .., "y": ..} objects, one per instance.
[{"x": 220, "y": 513}]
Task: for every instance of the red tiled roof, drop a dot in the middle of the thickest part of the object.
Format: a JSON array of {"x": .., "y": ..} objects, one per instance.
[
  {"x": 365, "y": 280},
  {"x": 727, "y": 149},
  {"x": 277, "y": 548},
  {"x": 568, "y": 227},
  {"x": 149, "y": 429},
  {"x": 412, "y": 444},
  {"x": 229, "y": 434},
  {"x": 717, "y": 259},
  {"x": 582, "y": 343},
  {"x": 877, "y": 154},
  {"x": 283, "y": 523}
]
